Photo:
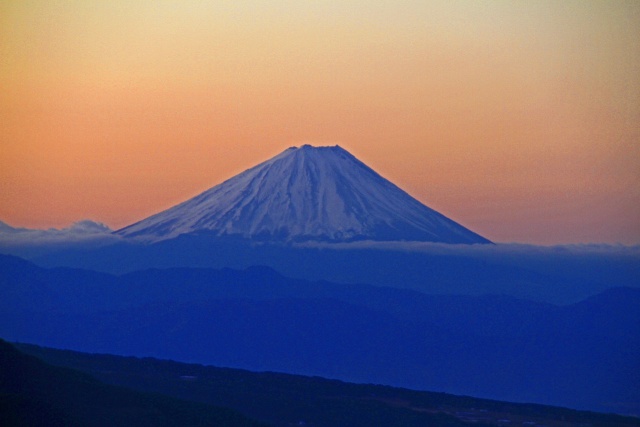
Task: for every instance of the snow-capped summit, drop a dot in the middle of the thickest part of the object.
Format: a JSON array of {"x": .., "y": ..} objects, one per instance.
[{"x": 302, "y": 194}]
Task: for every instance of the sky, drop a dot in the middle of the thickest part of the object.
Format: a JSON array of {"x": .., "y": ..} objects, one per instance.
[{"x": 520, "y": 120}]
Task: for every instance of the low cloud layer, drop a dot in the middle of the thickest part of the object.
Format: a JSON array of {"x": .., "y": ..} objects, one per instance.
[
  {"x": 498, "y": 249},
  {"x": 79, "y": 232},
  {"x": 92, "y": 232}
]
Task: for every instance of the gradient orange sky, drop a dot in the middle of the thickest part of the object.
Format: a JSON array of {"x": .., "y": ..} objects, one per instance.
[{"x": 520, "y": 120}]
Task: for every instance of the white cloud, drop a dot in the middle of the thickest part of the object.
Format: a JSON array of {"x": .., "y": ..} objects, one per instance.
[
  {"x": 78, "y": 232},
  {"x": 481, "y": 249}
]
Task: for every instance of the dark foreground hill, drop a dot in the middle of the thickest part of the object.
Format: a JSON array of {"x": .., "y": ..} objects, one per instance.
[
  {"x": 286, "y": 400},
  {"x": 34, "y": 393},
  {"x": 584, "y": 355}
]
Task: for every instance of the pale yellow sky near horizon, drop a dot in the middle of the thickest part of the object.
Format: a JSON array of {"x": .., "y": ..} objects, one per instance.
[{"x": 520, "y": 120}]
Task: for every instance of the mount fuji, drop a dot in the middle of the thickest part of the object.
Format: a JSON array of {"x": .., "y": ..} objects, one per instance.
[{"x": 305, "y": 193}]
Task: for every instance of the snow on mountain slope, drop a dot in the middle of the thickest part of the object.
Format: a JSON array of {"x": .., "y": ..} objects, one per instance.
[{"x": 302, "y": 194}]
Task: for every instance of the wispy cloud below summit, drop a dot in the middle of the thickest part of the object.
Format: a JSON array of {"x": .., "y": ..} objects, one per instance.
[
  {"x": 79, "y": 232},
  {"x": 497, "y": 249}
]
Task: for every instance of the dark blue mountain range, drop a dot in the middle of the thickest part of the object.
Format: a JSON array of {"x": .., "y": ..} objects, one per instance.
[
  {"x": 585, "y": 355},
  {"x": 561, "y": 276}
]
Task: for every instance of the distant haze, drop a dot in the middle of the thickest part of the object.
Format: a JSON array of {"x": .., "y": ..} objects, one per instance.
[{"x": 517, "y": 119}]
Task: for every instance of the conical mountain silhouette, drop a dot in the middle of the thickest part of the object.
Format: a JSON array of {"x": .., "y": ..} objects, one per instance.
[{"x": 306, "y": 194}]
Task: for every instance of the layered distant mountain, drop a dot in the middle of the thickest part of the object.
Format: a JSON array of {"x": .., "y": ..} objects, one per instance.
[
  {"x": 305, "y": 194},
  {"x": 583, "y": 355}
]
